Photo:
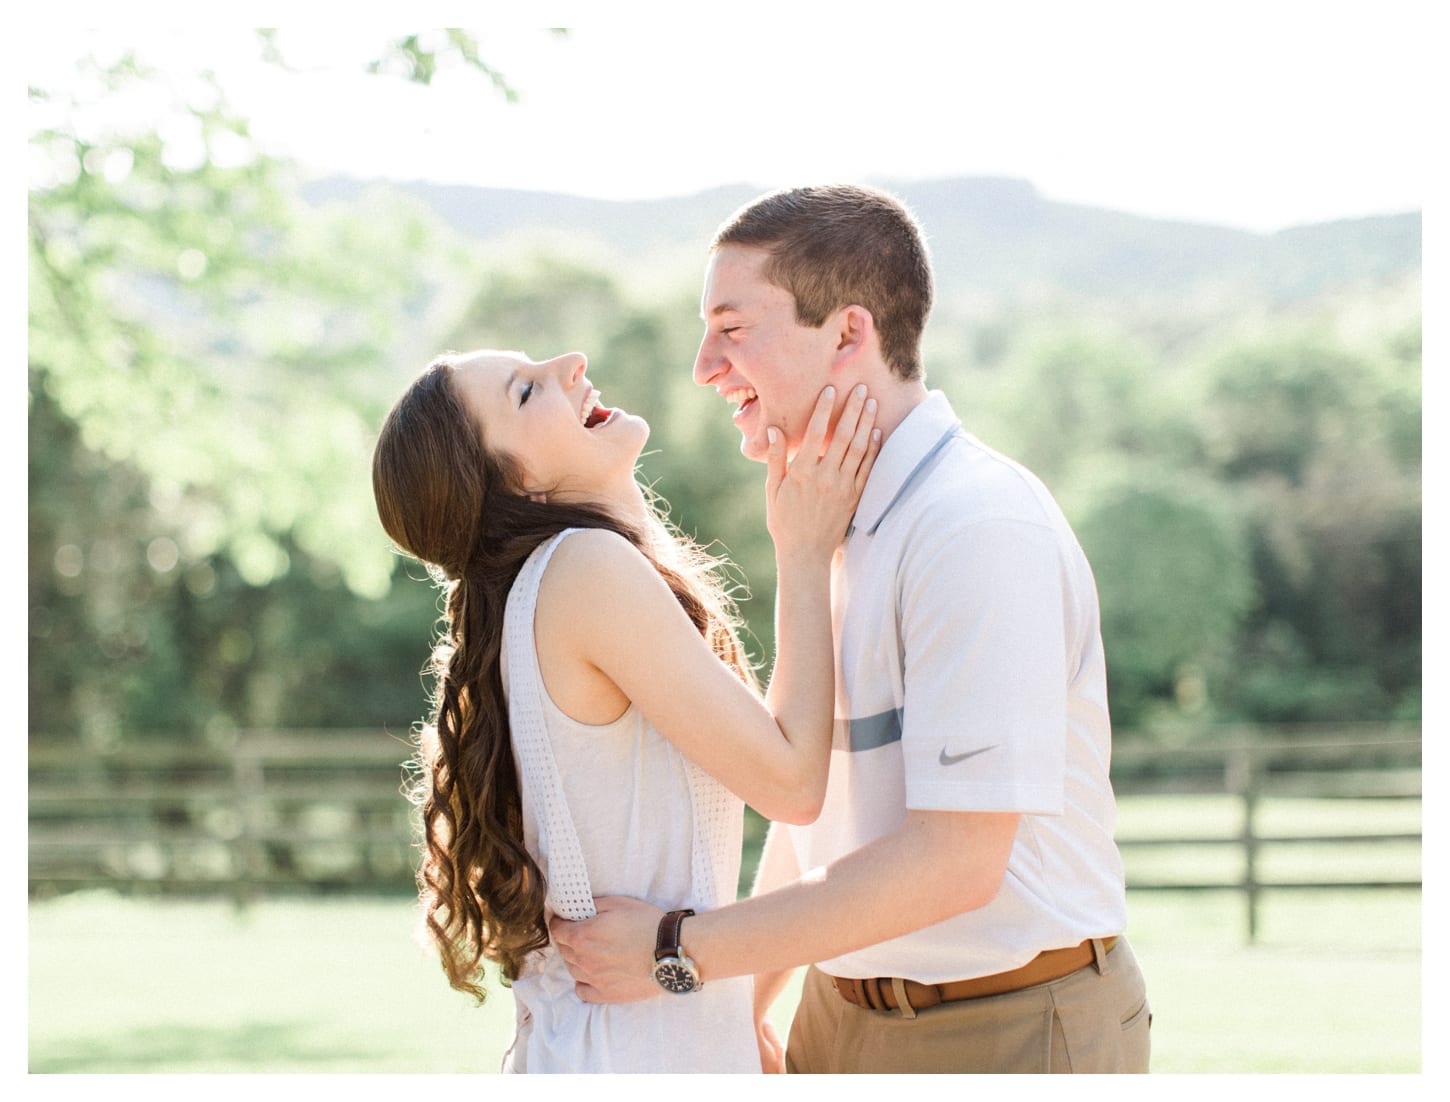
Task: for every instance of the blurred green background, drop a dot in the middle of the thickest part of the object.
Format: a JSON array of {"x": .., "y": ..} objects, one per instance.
[{"x": 1231, "y": 420}]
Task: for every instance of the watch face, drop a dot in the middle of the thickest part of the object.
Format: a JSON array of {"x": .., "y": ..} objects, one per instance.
[{"x": 675, "y": 975}]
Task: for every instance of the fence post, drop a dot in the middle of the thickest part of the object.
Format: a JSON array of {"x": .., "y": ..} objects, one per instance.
[
  {"x": 1242, "y": 777},
  {"x": 249, "y": 860}
]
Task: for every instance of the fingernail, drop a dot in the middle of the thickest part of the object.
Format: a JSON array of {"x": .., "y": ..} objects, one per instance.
[
  {"x": 876, "y": 435},
  {"x": 771, "y": 434},
  {"x": 870, "y": 405},
  {"x": 830, "y": 392},
  {"x": 860, "y": 389}
]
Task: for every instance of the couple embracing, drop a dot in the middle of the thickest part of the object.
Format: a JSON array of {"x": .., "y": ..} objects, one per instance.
[{"x": 932, "y": 747}]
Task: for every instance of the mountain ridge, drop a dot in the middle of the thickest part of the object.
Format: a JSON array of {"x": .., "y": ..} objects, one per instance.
[{"x": 989, "y": 236}]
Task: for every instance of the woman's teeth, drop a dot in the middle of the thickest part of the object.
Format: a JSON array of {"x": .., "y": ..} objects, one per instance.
[{"x": 593, "y": 414}]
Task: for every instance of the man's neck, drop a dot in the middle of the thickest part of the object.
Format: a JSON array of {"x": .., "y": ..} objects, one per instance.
[{"x": 895, "y": 399}]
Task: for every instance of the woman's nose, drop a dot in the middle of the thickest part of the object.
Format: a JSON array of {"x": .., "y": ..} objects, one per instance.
[{"x": 571, "y": 367}]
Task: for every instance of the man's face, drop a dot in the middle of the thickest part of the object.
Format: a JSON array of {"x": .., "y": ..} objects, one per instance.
[{"x": 755, "y": 353}]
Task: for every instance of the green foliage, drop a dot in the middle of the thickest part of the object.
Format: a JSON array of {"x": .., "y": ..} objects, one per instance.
[
  {"x": 129, "y": 638},
  {"x": 1321, "y": 444},
  {"x": 419, "y": 57},
  {"x": 196, "y": 322},
  {"x": 1174, "y": 580},
  {"x": 210, "y": 356},
  {"x": 1248, "y": 494},
  {"x": 1269, "y": 407},
  {"x": 1066, "y": 394}
]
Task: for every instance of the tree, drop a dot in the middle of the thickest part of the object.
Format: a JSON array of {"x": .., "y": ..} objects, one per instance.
[
  {"x": 1074, "y": 391},
  {"x": 209, "y": 357},
  {"x": 1321, "y": 442},
  {"x": 1175, "y": 581}
]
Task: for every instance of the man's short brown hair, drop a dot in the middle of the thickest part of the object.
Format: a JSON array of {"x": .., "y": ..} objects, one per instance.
[{"x": 842, "y": 245}]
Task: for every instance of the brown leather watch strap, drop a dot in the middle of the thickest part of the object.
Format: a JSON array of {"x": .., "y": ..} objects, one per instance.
[{"x": 667, "y": 940}]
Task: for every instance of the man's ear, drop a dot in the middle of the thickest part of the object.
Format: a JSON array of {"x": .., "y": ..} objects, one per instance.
[{"x": 855, "y": 328}]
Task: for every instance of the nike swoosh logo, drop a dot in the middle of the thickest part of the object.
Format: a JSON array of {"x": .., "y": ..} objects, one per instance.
[{"x": 952, "y": 759}]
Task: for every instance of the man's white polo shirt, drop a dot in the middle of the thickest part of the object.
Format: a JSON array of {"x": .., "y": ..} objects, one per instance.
[{"x": 970, "y": 678}]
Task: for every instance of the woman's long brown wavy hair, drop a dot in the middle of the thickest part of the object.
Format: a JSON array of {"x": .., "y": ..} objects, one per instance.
[{"x": 446, "y": 500}]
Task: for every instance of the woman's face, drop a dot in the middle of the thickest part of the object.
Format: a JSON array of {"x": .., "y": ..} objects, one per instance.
[{"x": 546, "y": 417}]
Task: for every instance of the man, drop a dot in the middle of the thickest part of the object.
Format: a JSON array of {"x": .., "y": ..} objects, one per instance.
[{"x": 960, "y": 898}]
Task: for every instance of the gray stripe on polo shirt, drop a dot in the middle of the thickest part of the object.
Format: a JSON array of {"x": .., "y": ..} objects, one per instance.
[{"x": 869, "y": 732}]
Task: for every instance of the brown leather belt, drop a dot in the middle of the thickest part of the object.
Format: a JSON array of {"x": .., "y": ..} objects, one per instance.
[{"x": 879, "y": 993}]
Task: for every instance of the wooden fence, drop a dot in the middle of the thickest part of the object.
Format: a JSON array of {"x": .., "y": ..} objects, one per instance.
[
  {"x": 271, "y": 810},
  {"x": 325, "y": 810},
  {"x": 1254, "y": 766}
]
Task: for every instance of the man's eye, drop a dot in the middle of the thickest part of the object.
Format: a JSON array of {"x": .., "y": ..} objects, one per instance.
[
  {"x": 729, "y": 329},
  {"x": 524, "y": 394}
]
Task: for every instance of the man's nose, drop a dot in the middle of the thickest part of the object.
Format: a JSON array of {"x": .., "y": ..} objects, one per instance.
[{"x": 708, "y": 365}]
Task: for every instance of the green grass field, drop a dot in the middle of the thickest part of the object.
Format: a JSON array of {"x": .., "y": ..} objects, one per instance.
[{"x": 339, "y": 985}]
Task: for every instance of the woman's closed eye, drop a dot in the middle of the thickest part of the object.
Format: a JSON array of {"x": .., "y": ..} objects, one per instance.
[{"x": 525, "y": 392}]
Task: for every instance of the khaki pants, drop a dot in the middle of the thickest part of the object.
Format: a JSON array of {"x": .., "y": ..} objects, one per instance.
[{"x": 1094, "y": 1020}]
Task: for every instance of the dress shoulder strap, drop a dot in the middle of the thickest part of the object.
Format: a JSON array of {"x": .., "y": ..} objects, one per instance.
[{"x": 568, "y": 892}]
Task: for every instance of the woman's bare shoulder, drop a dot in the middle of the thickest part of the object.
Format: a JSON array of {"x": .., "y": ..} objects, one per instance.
[
  {"x": 595, "y": 553},
  {"x": 593, "y": 567}
]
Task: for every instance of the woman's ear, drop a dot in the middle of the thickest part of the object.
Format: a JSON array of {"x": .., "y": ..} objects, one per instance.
[{"x": 854, "y": 328}]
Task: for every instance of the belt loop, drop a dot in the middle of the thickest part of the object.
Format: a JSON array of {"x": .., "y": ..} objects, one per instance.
[
  {"x": 903, "y": 1004},
  {"x": 1100, "y": 956}
]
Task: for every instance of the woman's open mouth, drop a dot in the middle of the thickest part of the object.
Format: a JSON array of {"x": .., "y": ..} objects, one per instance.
[{"x": 593, "y": 414}]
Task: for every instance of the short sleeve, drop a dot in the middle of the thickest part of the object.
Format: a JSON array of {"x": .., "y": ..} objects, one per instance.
[{"x": 984, "y": 668}]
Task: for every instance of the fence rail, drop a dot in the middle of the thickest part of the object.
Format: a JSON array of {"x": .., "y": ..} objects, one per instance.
[
  {"x": 1252, "y": 766},
  {"x": 271, "y": 810},
  {"x": 321, "y": 810}
]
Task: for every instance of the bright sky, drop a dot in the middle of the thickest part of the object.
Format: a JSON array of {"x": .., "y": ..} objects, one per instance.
[
  {"x": 1250, "y": 113},
  {"x": 1254, "y": 115}
]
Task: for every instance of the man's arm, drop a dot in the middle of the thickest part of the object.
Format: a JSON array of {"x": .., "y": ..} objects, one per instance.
[
  {"x": 993, "y": 601},
  {"x": 935, "y": 865}
]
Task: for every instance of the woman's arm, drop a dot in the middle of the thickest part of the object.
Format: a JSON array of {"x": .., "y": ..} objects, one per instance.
[
  {"x": 808, "y": 506},
  {"x": 626, "y": 625}
]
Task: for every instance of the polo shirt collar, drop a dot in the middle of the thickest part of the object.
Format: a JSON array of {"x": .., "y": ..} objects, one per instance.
[{"x": 919, "y": 437}]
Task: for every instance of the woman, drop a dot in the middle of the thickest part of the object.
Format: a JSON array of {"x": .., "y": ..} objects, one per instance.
[{"x": 595, "y": 724}]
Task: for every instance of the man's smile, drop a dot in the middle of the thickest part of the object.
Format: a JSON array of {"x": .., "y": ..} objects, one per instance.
[{"x": 742, "y": 397}]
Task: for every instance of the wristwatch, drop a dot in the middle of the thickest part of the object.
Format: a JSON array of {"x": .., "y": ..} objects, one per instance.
[{"x": 673, "y": 970}]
